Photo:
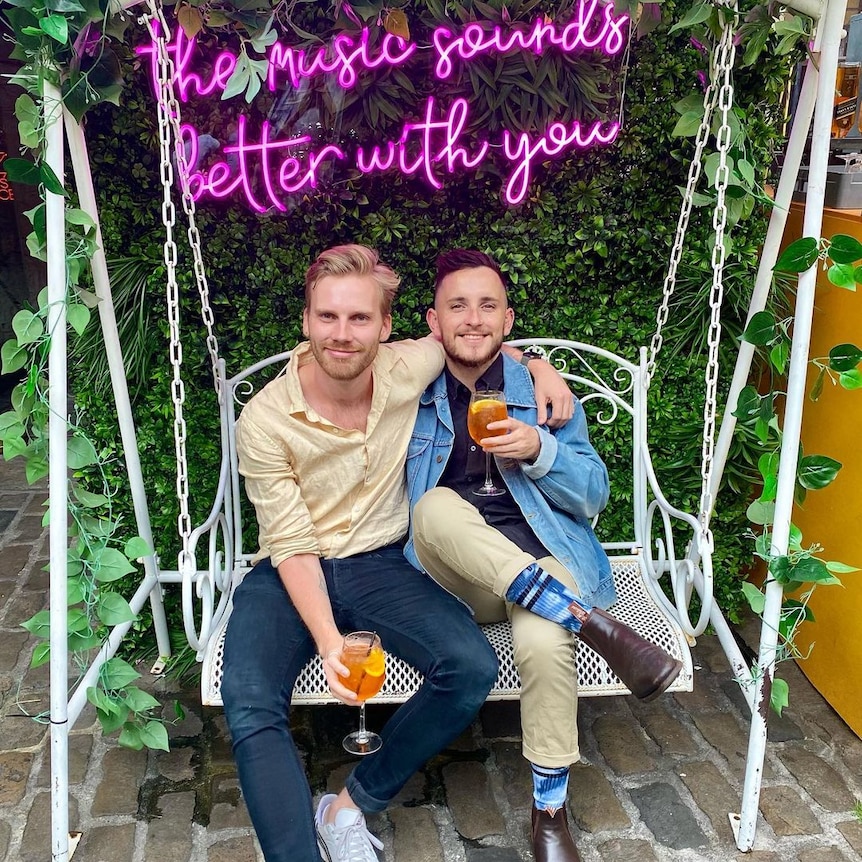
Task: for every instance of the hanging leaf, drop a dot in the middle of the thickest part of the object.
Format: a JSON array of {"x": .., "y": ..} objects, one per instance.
[
  {"x": 50, "y": 179},
  {"x": 779, "y": 697},
  {"x": 841, "y": 568},
  {"x": 779, "y": 355},
  {"x": 687, "y": 125},
  {"x": 154, "y": 735},
  {"x": 817, "y": 471},
  {"x": 136, "y": 547},
  {"x": 130, "y": 737},
  {"x": 755, "y": 598},
  {"x": 138, "y": 700},
  {"x": 116, "y": 673},
  {"x": 78, "y": 316},
  {"x": 845, "y": 249},
  {"x": 396, "y": 23},
  {"x": 851, "y": 379},
  {"x": 110, "y": 565},
  {"x": 22, "y": 171},
  {"x": 811, "y": 570},
  {"x": 112, "y": 609},
  {"x": 56, "y": 26},
  {"x": 698, "y": 13},
  {"x": 798, "y": 256},
  {"x": 817, "y": 388},
  {"x": 842, "y": 275},
  {"x": 760, "y": 329},
  {"x": 190, "y": 20},
  {"x": 748, "y": 404},
  {"x": 844, "y": 357},
  {"x": 761, "y": 512},
  {"x": 80, "y": 453}
]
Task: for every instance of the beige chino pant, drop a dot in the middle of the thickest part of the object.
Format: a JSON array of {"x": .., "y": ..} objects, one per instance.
[{"x": 478, "y": 563}]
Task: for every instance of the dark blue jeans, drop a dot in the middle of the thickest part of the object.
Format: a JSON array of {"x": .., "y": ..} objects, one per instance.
[{"x": 266, "y": 647}]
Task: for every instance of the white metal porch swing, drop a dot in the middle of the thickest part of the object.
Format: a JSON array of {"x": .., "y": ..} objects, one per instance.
[{"x": 638, "y": 561}]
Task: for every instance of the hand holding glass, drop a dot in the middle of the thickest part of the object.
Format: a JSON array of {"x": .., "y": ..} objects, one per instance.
[
  {"x": 486, "y": 406},
  {"x": 363, "y": 656}
]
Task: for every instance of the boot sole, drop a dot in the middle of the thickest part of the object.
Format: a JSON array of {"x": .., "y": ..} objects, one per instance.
[{"x": 662, "y": 686}]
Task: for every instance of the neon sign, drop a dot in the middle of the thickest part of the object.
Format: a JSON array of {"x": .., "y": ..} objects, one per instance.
[
  {"x": 432, "y": 146},
  {"x": 6, "y": 193}
]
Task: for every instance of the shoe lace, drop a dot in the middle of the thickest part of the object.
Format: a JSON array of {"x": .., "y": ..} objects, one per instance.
[{"x": 353, "y": 843}]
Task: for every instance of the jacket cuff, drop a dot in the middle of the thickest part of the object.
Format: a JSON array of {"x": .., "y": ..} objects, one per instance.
[{"x": 547, "y": 455}]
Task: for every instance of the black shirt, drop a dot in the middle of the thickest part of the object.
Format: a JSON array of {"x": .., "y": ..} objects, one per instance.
[{"x": 465, "y": 470}]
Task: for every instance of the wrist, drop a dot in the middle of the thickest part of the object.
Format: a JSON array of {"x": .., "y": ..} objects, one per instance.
[{"x": 529, "y": 356}]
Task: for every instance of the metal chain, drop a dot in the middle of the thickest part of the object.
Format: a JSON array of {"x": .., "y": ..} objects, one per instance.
[
  {"x": 168, "y": 112},
  {"x": 710, "y": 100},
  {"x": 726, "y": 58}
]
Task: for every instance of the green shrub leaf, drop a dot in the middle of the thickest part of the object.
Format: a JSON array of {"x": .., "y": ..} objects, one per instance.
[{"x": 817, "y": 471}]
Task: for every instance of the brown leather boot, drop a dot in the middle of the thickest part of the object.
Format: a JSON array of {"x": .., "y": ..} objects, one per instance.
[
  {"x": 646, "y": 669},
  {"x": 552, "y": 841}
]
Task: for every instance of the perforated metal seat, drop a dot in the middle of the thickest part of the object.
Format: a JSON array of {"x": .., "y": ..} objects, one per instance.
[{"x": 634, "y": 607}]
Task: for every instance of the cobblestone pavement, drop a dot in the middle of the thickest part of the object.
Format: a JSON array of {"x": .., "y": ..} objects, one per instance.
[{"x": 656, "y": 782}]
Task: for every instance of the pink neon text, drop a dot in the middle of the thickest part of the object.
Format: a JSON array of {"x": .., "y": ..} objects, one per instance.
[
  {"x": 281, "y": 170},
  {"x": 581, "y": 33},
  {"x": 345, "y": 57}
]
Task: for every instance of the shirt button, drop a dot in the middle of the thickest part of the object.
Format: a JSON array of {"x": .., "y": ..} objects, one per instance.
[
  {"x": 439, "y": 458},
  {"x": 472, "y": 448}
]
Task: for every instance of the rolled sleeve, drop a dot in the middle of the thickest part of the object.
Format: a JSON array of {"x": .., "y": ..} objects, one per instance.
[
  {"x": 545, "y": 460},
  {"x": 286, "y": 528}
]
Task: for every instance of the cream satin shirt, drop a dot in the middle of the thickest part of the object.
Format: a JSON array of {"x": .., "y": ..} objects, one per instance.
[{"x": 324, "y": 490}]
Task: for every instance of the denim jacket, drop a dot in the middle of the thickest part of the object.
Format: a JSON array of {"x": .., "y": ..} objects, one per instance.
[{"x": 559, "y": 493}]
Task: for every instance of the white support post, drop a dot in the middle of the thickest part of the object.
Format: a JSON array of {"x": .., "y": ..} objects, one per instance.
[
  {"x": 831, "y": 34},
  {"x": 57, "y": 478},
  {"x": 119, "y": 384}
]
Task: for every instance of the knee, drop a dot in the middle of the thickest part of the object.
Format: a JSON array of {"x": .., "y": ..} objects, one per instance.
[
  {"x": 471, "y": 669},
  {"x": 540, "y": 646},
  {"x": 432, "y": 513},
  {"x": 251, "y": 707}
]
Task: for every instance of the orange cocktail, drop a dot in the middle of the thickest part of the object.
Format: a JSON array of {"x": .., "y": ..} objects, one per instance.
[
  {"x": 367, "y": 666},
  {"x": 483, "y": 411}
]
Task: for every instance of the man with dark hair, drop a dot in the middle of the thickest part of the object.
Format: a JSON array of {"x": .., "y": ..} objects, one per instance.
[
  {"x": 529, "y": 553},
  {"x": 322, "y": 450}
]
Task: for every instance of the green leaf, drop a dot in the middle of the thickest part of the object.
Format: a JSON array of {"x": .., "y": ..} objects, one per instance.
[
  {"x": 49, "y": 178},
  {"x": 851, "y": 379},
  {"x": 842, "y": 275},
  {"x": 698, "y": 13},
  {"x": 688, "y": 124},
  {"x": 841, "y": 568},
  {"x": 811, "y": 570},
  {"x": 760, "y": 512},
  {"x": 104, "y": 701},
  {"x": 39, "y": 624},
  {"x": 56, "y": 26},
  {"x": 817, "y": 471},
  {"x": 136, "y": 547},
  {"x": 112, "y": 609},
  {"x": 779, "y": 697},
  {"x": 112, "y": 721},
  {"x": 28, "y": 327},
  {"x": 22, "y": 171},
  {"x": 794, "y": 542},
  {"x": 130, "y": 737},
  {"x": 140, "y": 701},
  {"x": 109, "y": 565},
  {"x": 116, "y": 673},
  {"x": 844, "y": 357},
  {"x": 87, "y": 499},
  {"x": 747, "y": 405},
  {"x": 78, "y": 316},
  {"x": 779, "y": 354},
  {"x": 845, "y": 249},
  {"x": 155, "y": 735},
  {"x": 798, "y": 256},
  {"x": 13, "y": 447},
  {"x": 779, "y": 568},
  {"x": 80, "y": 452},
  {"x": 10, "y": 424},
  {"x": 78, "y": 621},
  {"x": 755, "y": 598},
  {"x": 41, "y": 655},
  {"x": 13, "y": 357},
  {"x": 817, "y": 386},
  {"x": 36, "y": 468},
  {"x": 760, "y": 329}
]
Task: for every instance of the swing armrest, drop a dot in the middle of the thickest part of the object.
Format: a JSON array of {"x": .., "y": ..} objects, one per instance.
[{"x": 690, "y": 574}]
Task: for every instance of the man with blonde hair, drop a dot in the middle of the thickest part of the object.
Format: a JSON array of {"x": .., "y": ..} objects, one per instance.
[{"x": 322, "y": 449}]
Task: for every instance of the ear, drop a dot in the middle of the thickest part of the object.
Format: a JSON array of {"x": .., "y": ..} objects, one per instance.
[
  {"x": 510, "y": 321},
  {"x": 305, "y": 322},
  {"x": 386, "y": 328},
  {"x": 433, "y": 322}
]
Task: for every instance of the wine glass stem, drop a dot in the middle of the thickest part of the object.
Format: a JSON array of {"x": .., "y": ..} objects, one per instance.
[
  {"x": 363, "y": 733},
  {"x": 488, "y": 483}
]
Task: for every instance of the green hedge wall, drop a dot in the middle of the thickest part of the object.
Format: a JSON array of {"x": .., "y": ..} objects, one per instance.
[{"x": 586, "y": 255}]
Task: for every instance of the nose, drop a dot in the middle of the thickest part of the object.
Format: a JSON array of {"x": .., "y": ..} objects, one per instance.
[
  {"x": 473, "y": 317},
  {"x": 341, "y": 330}
]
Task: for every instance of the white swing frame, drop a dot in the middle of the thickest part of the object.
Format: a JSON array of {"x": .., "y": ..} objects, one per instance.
[{"x": 815, "y": 104}]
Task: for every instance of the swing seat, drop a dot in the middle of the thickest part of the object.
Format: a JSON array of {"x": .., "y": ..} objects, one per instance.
[{"x": 613, "y": 392}]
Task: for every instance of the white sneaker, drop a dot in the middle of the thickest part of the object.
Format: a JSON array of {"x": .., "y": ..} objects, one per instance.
[{"x": 347, "y": 839}]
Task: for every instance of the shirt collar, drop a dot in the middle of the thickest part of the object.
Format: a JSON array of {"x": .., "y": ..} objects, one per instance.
[{"x": 491, "y": 379}]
